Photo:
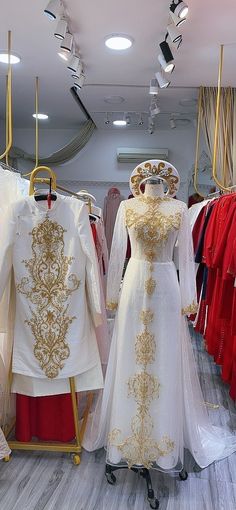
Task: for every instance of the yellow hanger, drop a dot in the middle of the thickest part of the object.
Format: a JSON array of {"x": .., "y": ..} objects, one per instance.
[{"x": 34, "y": 179}]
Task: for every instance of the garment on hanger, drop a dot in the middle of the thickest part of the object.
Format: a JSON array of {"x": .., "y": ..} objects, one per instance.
[
  {"x": 110, "y": 208},
  {"x": 152, "y": 405},
  {"x": 57, "y": 293}
]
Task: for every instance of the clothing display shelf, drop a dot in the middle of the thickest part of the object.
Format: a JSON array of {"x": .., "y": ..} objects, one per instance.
[{"x": 73, "y": 448}]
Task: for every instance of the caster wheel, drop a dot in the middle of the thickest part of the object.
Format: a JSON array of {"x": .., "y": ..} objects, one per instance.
[
  {"x": 154, "y": 503},
  {"x": 183, "y": 475},
  {"x": 111, "y": 478},
  {"x": 7, "y": 458},
  {"x": 76, "y": 459}
]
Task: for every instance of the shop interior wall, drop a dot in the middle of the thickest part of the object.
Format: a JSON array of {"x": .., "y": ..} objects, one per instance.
[{"x": 96, "y": 168}]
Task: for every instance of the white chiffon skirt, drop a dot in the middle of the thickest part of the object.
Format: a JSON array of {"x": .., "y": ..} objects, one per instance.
[{"x": 148, "y": 415}]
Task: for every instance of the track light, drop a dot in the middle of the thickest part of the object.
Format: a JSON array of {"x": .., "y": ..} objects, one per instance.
[
  {"x": 174, "y": 34},
  {"x": 52, "y": 9},
  {"x": 140, "y": 120},
  {"x": 163, "y": 83},
  {"x": 153, "y": 90},
  {"x": 151, "y": 126},
  {"x": 180, "y": 8},
  {"x": 79, "y": 83},
  {"x": 61, "y": 29},
  {"x": 77, "y": 74},
  {"x": 168, "y": 67},
  {"x": 67, "y": 43},
  {"x": 176, "y": 20},
  {"x": 73, "y": 64},
  {"x": 154, "y": 107},
  {"x": 172, "y": 123}
]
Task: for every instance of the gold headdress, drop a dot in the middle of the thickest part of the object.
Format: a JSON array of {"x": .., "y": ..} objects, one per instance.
[{"x": 155, "y": 167}]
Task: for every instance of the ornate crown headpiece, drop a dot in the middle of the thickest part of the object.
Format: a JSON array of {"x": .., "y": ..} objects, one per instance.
[{"x": 155, "y": 167}]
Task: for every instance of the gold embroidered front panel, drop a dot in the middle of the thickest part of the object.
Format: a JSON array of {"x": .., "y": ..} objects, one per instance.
[{"x": 48, "y": 287}]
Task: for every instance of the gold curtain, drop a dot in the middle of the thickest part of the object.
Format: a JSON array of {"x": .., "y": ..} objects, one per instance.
[{"x": 226, "y": 158}]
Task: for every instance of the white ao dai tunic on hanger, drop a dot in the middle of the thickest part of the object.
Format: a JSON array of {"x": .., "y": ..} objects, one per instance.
[{"x": 152, "y": 404}]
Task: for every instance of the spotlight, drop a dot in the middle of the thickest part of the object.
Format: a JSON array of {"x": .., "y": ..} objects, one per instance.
[
  {"x": 106, "y": 120},
  {"x": 67, "y": 43},
  {"x": 168, "y": 67},
  {"x": 52, "y": 9},
  {"x": 79, "y": 83},
  {"x": 154, "y": 109},
  {"x": 140, "y": 120},
  {"x": 128, "y": 119},
  {"x": 77, "y": 74},
  {"x": 176, "y": 20},
  {"x": 151, "y": 127},
  {"x": 163, "y": 83},
  {"x": 63, "y": 55},
  {"x": 153, "y": 90},
  {"x": 74, "y": 64},
  {"x": 180, "y": 8},
  {"x": 174, "y": 33},
  {"x": 61, "y": 29},
  {"x": 172, "y": 123}
]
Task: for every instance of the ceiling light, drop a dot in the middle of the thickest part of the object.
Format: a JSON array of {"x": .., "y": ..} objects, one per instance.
[
  {"x": 51, "y": 9},
  {"x": 172, "y": 124},
  {"x": 154, "y": 109},
  {"x": 80, "y": 82},
  {"x": 168, "y": 67},
  {"x": 174, "y": 33},
  {"x": 176, "y": 20},
  {"x": 118, "y": 42},
  {"x": 63, "y": 55},
  {"x": 114, "y": 99},
  {"x": 163, "y": 83},
  {"x": 74, "y": 64},
  {"x": 40, "y": 116},
  {"x": 107, "y": 120},
  {"x": 153, "y": 90},
  {"x": 4, "y": 57},
  {"x": 119, "y": 122},
  {"x": 61, "y": 29},
  {"x": 67, "y": 43},
  {"x": 140, "y": 120},
  {"x": 180, "y": 8}
]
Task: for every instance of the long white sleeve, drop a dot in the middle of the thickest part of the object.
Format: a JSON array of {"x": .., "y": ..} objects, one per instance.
[
  {"x": 92, "y": 270},
  {"x": 7, "y": 236},
  {"x": 117, "y": 259},
  {"x": 186, "y": 266}
]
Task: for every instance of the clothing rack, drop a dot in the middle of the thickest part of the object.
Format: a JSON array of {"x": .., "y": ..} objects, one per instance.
[{"x": 70, "y": 447}]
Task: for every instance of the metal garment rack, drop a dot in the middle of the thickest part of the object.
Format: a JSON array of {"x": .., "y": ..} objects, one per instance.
[{"x": 69, "y": 447}]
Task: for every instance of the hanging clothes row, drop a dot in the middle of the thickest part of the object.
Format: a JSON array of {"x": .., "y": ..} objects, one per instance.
[{"x": 214, "y": 238}]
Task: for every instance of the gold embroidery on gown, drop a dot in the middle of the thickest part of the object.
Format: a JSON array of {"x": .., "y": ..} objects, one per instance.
[
  {"x": 48, "y": 286},
  {"x": 152, "y": 229}
]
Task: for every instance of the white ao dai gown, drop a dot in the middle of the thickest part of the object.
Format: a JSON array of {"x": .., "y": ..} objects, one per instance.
[{"x": 152, "y": 405}]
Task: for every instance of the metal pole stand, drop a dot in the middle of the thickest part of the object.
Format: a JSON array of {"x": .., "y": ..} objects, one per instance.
[{"x": 145, "y": 473}]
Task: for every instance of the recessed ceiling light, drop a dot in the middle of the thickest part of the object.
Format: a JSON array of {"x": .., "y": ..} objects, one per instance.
[
  {"x": 118, "y": 42},
  {"x": 63, "y": 55},
  {"x": 119, "y": 122},
  {"x": 114, "y": 99},
  {"x": 14, "y": 59},
  {"x": 40, "y": 116}
]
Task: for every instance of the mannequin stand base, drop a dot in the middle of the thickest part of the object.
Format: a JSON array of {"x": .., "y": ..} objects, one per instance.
[{"x": 145, "y": 473}]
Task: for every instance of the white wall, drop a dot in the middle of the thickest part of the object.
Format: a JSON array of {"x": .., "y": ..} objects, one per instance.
[{"x": 97, "y": 161}]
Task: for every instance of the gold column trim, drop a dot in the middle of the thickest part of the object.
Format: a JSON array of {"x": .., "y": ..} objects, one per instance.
[
  {"x": 8, "y": 104},
  {"x": 199, "y": 119}
]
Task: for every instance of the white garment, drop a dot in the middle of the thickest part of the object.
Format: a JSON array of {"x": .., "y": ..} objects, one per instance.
[
  {"x": 152, "y": 402},
  {"x": 57, "y": 282},
  {"x": 4, "y": 448}
]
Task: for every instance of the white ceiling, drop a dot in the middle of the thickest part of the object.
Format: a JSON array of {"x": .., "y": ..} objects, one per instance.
[{"x": 127, "y": 74}]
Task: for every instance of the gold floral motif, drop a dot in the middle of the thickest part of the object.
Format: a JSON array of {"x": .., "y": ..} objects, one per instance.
[
  {"x": 193, "y": 308},
  {"x": 150, "y": 285},
  {"x": 145, "y": 348},
  {"x": 146, "y": 316},
  {"x": 49, "y": 286},
  {"x": 144, "y": 387},
  {"x": 111, "y": 306},
  {"x": 152, "y": 227}
]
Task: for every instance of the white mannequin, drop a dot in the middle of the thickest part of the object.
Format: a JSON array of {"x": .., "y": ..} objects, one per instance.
[{"x": 154, "y": 188}]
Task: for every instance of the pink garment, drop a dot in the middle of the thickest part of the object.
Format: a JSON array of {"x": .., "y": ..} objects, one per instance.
[{"x": 111, "y": 206}]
